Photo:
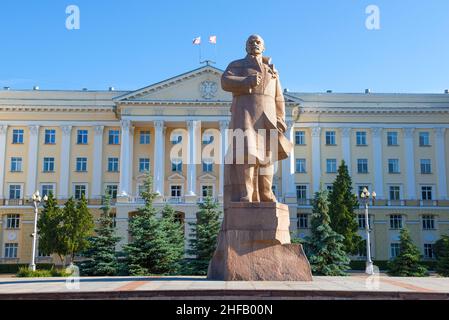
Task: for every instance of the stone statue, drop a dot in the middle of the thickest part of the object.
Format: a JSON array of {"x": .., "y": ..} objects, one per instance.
[{"x": 258, "y": 110}]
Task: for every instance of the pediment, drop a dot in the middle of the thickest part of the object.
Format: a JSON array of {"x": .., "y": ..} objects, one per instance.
[
  {"x": 176, "y": 177},
  {"x": 202, "y": 84},
  {"x": 207, "y": 177}
]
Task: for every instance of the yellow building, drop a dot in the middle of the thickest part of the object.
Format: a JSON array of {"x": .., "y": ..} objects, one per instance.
[{"x": 75, "y": 142}]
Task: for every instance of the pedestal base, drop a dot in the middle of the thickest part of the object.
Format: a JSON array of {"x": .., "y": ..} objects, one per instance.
[{"x": 254, "y": 245}]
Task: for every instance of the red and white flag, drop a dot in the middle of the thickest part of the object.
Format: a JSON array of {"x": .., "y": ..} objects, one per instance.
[
  {"x": 197, "y": 41},
  {"x": 213, "y": 39}
]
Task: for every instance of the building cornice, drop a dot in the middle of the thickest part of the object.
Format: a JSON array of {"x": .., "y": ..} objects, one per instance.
[{"x": 52, "y": 108}]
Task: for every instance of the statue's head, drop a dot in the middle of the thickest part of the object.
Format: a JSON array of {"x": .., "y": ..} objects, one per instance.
[{"x": 255, "y": 45}]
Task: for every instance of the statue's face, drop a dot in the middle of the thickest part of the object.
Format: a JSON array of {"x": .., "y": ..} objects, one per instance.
[{"x": 255, "y": 45}]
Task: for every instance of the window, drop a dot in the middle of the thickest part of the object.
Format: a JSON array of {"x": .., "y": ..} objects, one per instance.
[
  {"x": 113, "y": 164},
  {"x": 113, "y": 216},
  {"x": 426, "y": 166},
  {"x": 274, "y": 189},
  {"x": 207, "y": 191},
  {"x": 303, "y": 221},
  {"x": 17, "y": 136},
  {"x": 144, "y": 165},
  {"x": 82, "y": 137},
  {"x": 12, "y": 221},
  {"x": 396, "y": 221},
  {"x": 49, "y": 165},
  {"x": 81, "y": 164},
  {"x": 395, "y": 249},
  {"x": 361, "y": 138},
  {"x": 428, "y": 222},
  {"x": 208, "y": 166},
  {"x": 393, "y": 165},
  {"x": 176, "y": 191},
  {"x": 11, "y": 250},
  {"x": 362, "y": 165},
  {"x": 330, "y": 138},
  {"x": 395, "y": 192},
  {"x": 114, "y": 137},
  {"x": 144, "y": 137},
  {"x": 301, "y": 165},
  {"x": 176, "y": 166},
  {"x": 331, "y": 165},
  {"x": 141, "y": 189},
  {"x": 301, "y": 192},
  {"x": 392, "y": 138},
  {"x": 300, "y": 138},
  {"x": 424, "y": 140},
  {"x": 208, "y": 139},
  {"x": 47, "y": 189},
  {"x": 15, "y": 191},
  {"x": 50, "y": 136},
  {"x": 426, "y": 193},
  {"x": 429, "y": 251},
  {"x": 16, "y": 164},
  {"x": 80, "y": 190},
  {"x": 361, "y": 220},
  {"x": 361, "y": 250},
  {"x": 111, "y": 189},
  {"x": 329, "y": 187}
]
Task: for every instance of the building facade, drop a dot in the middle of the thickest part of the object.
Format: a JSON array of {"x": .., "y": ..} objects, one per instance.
[{"x": 89, "y": 142}]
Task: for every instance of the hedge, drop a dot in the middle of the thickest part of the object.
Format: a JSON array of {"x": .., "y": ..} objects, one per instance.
[
  {"x": 14, "y": 268},
  {"x": 383, "y": 264}
]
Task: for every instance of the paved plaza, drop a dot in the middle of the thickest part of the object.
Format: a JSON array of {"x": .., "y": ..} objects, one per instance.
[{"x": 358, "y": 286}]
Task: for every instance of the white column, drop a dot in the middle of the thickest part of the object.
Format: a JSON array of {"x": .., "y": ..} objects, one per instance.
[
  {"x": 288, "y": 165},
  {"x": 440, "y": 151},
  {"x": 346, "y": 145},
  {"x": 378, "y": 163},
  {"x": 97, "y": 189},
  {"x": 194, "y": 128},
  {"x": 131, "y": 159},
  {"x": 64, "y": 162},
  {"x": 224, "y": 125},
  {"x": 410, "y": 162},
  {"x": 3, "y": 132},
  {"x": 33, "y": 146},
  {"x": 316, "y": 158},
  {"x": 159, "y": 163},
  {"x": 124, "y": 159}
]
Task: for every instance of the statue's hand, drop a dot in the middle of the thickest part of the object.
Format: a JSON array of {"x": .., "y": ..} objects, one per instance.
[
  {"x": 282, "y": 126},
  {"x": 254, "y": 80}
]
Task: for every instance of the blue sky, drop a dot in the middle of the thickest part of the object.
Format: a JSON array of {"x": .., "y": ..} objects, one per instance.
[{"x": 316, "y": 45}]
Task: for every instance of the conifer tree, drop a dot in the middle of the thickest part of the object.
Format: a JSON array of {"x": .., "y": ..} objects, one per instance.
[
  {"x": 143, "y": 251},
  {"x": 407, "y": 263},
  {"x": 203, "y": 239},
  {"x": 442, "y": 254},
  {"x": 52, "y": 236},
  {"x": 342, "y": 203},
  {"x": 101, "y": 249},
  {"x": 325, "y": 247}
]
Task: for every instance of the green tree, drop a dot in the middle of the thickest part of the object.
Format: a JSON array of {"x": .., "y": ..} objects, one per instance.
[
  {"x": 203, "y": 239},
  {"x": 342, "y": 203},
  {"x": 172, "y": 252},
  {"x": 442, "y": 254},
  {"x": 101, "y": 249},
  {"x": 407, "y": 263},
  {"x": 78, "y": 225},
  {"x": 51, "y": 231},
  {"x": 325, "y": 247},
  {"x": 143, "y": 251}
]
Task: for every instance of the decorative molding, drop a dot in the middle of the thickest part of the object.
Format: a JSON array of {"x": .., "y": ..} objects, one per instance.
[
  {"x": 409, "y": 132},
  {"x": 346, "y": 132},
  {"x": 3, "y": 129},
  {"x": 440, "y": 132},
  {"x": 290, "y": 124},
  {"x": 224, "y": 124},
  {"x": 377, "y": 132},
  {"x": 316, "y": 132},
  {"x": 193, "y": 124},
  {"x": 159, "y": 124},
  {"x": 66, "y": 130},
  {"x": 98, "y": 130},
  {"x": 34, "y": 130},
  {"x": 125, "y": 124},
  {"x": 176, "y": 177},
  {"x": 207, "y": 177},
  {"x": 51, "y": 108},
  {"x": 208, "y": 89}
]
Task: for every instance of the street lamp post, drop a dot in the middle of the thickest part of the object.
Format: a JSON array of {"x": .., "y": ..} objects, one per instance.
[
  {"x": 37, "y": 199},
  {"x": 365, "y": 196}
]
